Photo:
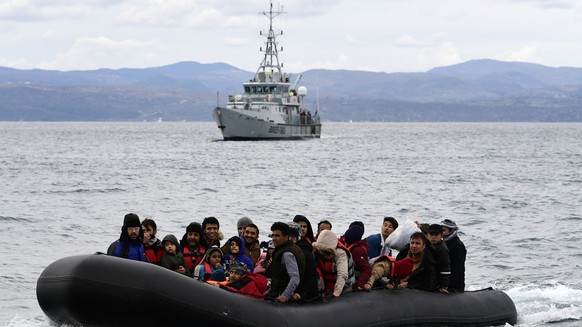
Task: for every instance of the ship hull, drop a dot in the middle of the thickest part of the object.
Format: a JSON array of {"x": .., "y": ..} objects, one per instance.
[{"x": 238, "y": 125}]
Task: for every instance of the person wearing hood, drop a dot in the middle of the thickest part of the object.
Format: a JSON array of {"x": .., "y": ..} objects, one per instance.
[
  {"x": 193, "y": 246},
  {"x": 212, "y": 266},
  {"x": 306, "y": 229},
  {"x": 154, "y": 250},
  {"x": 458, "y": 255},
  {"x": 173, "y": 259},
  {"x": 359, "y": 251},
  {"x": 335, "y": 265},
  {"x": 130, "y": 244},
  {"x": 235, "y": 252}
]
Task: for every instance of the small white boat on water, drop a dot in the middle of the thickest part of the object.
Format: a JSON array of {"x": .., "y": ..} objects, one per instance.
[{"x": 270, "y": 107}]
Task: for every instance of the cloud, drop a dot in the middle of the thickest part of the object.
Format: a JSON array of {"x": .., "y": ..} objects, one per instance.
[
  {"x": 235, "y": 42},
  {"x": 103, "y": 52},
  {"x": 49, "y": 34},
  {"x": 410, "y": 42},
  {"x": 550, "y": 4},
  {"x": 41, "y": 10},
  {"x": 526, "y": 54}
]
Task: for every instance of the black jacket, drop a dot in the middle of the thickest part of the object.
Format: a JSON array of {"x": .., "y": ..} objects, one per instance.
[
  {"x": 425, "y": 276},
  {"x": 458, "y": 254}
]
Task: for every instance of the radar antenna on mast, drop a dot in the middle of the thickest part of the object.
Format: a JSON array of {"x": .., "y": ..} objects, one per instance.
[{"x": 270, "y": 62}]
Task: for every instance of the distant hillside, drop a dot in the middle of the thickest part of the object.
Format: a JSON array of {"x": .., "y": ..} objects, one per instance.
[{"x": 477, "y": 90}]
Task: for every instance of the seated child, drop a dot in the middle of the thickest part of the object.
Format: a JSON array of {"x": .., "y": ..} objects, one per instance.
[
  {"x": 173, "y": 259},
  {"x": 386, "y": 266},
  {"x": 212, "y": 265},
  {"x": 246, "y": 283},
  {"x": 234, "y": 253}
]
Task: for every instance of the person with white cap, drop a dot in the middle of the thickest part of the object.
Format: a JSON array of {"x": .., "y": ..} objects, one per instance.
[{"x": 458, "y": 255}]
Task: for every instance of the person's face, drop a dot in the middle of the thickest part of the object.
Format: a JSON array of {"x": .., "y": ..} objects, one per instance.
[
  {"x": 234, "y": 276},
  {"x": 133, "y": 233},
  {"x": 446, "y": 231},
  {"x": 387, "y": 229},
  {"x": 211, "y": 231},
  {"x": 250, "y": 235},
  {"x": 416, "y": 245},
  {"x": 148, "y": 230},
  {"x": 234, "y": 248},
  {"x": 434, "y": 238},
  {"x": 303, "y": 226},
  {"x": 241, "y": 231},
  {"x": 193, "y": 238},
  {"x": 278, "y": 238},
  {"x": 215, "y": 258},
  {"x": 323, "y": 226},
  {"x": 170, "y": 247}
]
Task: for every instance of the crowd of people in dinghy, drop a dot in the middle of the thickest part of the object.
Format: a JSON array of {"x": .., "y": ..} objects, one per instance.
[{"x": 296, "y": 265}]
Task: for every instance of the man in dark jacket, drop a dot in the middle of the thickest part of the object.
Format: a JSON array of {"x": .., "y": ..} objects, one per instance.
[
  {"x": 458, "y": 254},
  {"x": 287, "y": 266},
  {"x": 424, "y": 273},
  {"x": 441, "y": 253},
  {"x": 130, "y": 243}
]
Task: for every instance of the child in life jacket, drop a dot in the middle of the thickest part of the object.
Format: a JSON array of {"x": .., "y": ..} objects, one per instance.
[
  {"x": 244, "y": 282},
  {"x": 173, "y": 259},
  {"x": 386, "y": 266},
  {"x": 212, "y": 266}
]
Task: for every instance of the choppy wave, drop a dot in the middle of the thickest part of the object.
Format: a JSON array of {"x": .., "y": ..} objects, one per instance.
[{"x": 554, "y": 304}]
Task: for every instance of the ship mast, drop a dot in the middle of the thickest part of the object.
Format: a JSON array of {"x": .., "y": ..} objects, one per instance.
[{"x": 270, "y": 62}]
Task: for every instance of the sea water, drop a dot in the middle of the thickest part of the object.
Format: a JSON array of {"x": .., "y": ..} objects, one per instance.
[{"x": 514, "y": 189}]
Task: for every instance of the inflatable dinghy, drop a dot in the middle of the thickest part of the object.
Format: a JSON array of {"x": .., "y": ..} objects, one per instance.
[{"x": 100, "y": 290}]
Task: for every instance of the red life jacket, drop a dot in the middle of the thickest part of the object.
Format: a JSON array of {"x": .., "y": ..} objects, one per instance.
[
  {"x": 192, "y": 259},
  {"x": 253, "y": 285},
  {"x": 154, "y": 253},
  {"x": 207, "y": 272},
  {"x": 327, "y": 271}
]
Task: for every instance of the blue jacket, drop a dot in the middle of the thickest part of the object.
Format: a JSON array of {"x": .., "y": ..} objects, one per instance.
[
  {"x": 240, "y": 256},
  {"x": 374, "y": 245},
  {"x": 133, "y": 250}
]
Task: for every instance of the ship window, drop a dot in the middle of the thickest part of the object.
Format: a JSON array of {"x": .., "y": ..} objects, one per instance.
[
  {"x": 254, "y": 89},
  {"x": 247, "y": 89},
  {"x": 259, "y": 89},
  {"x": 273, "y": 88}
]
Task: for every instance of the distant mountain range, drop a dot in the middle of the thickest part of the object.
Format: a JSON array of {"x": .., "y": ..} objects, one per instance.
[{"x": 477, "y": 90}]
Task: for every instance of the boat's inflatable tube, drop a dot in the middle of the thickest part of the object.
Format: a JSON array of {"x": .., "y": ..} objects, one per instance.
[{"x": 99, "y": 290}]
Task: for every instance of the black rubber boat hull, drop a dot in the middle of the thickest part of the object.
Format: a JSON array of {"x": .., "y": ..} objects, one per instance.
[{"x": 99, "y": 290}]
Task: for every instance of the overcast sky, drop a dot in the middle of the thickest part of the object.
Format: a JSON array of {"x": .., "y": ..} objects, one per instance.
[{"x": 372, "y": 35}]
